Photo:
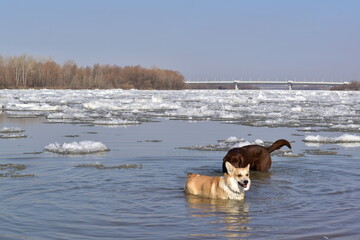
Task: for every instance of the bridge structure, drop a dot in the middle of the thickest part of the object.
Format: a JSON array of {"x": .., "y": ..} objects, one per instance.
[{"x": 289, "y": 83}]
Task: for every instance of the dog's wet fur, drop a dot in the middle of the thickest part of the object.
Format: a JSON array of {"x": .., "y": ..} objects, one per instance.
[
  {"x": 257, "y": 156},
  {"x": 230, "y": 186}
]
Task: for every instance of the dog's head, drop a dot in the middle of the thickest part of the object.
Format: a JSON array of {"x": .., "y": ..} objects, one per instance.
[{"x": 238, "y": 179}]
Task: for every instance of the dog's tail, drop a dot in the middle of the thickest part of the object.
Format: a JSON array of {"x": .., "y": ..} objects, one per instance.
[{"x": 278, "y": 144}]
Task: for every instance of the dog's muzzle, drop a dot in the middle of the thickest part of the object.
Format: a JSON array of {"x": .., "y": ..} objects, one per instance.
[{"x": 244, "y": 184}]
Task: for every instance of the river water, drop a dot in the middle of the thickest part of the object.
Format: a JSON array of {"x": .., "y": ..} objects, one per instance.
[{"x": 134, "y": 189}]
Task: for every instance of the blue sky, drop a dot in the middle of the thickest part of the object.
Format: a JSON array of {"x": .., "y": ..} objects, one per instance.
[{"x": 202, "y": 39}]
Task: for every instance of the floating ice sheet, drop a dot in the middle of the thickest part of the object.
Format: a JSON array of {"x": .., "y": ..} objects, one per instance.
[
  {"x": 345, "y": 140},
  {"x": 12, "y": 135},
  {"x": 234, "y": 142},
  {"x": 83, "y": 147},
  {"x": 224, "y": 145},
  {"x": 115, "y": 122},
  {"x": 11, "y": 130},
  {"x": 329, "y": 110},
  {"x": 102, "y": 166},
  {"x": 13, "y": 170}
]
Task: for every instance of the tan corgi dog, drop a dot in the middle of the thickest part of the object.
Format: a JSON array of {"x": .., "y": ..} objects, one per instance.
[{"x": 230, "y": 186}]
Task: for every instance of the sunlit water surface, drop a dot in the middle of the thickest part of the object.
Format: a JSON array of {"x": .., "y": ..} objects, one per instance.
[{"x": 135, "y": 190}]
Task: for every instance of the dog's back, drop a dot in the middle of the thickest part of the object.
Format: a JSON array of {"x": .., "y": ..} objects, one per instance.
[
  {"x": 201, "y": 185},
  {"x": 257, "y": 156}
]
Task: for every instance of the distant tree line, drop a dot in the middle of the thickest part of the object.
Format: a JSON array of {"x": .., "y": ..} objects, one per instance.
[
  {"x": 28, "y": 72},
  {"x": 352, "y": 86}
]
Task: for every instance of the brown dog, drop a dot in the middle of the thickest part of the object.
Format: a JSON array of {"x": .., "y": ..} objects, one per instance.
[{"x": 257, "y": 156}]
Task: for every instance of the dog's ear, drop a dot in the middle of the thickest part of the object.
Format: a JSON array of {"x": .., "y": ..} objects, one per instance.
[
  {"x": 248, "y": 167},
  {"x": 229, "y": 167}
]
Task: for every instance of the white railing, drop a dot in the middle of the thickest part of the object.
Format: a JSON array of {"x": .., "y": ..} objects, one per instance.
[{"x": 289, "y": 83}]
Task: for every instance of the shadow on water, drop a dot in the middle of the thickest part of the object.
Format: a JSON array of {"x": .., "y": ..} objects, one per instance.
[{"x": 229, "y": 216}]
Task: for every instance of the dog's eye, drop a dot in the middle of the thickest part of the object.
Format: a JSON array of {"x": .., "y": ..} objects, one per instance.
[
  {"x": 239, "y": 175},
  {"x": 247, "y": 175}
]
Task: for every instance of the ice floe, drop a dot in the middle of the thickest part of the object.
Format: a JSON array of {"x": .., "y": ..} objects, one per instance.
[
  {"x": 225, "y": 145},
  {"x": 13, "y": 170},
  {"x": 234, "y": 142},
  {"x": 102, "y": 166},
  {"x": 11, "y": 130},
  {"x": 329, "y": 110},
  {"x": 114, "y": 122},
  {"x": 12, "y": 133},
  {"x": 83, "y": 147},
  {"x": 346, "y": 140}
]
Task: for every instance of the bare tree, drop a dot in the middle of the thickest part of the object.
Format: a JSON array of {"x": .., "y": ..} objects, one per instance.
[{"x": 25, "y": 71}]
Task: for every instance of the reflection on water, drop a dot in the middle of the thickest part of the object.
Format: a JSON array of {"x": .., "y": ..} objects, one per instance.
[{"x": 231, "y": 216}]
